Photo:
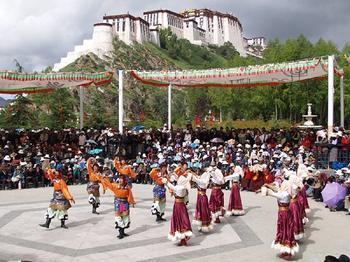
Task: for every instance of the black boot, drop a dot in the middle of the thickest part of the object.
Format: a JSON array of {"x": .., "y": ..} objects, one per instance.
[
  {"x": 63, "y": 225},
  {"x": 94, "y": 207},
  {"x": 124, "y": 234},
  {"x": 121, "y": 233},
  {"x": 161, "y": 217},
  {"x": 47, "y": 223}
]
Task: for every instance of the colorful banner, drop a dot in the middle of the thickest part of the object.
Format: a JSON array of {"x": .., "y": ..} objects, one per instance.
[
  {"x": 15, "y": 83},
  {"x": 258, "y": 75}
]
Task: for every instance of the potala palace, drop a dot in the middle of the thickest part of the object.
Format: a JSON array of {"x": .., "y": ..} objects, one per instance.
[{"x": 199, "y": 26}]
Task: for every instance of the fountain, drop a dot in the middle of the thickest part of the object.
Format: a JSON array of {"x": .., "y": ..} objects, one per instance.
[{"x": 309, "y": 123}]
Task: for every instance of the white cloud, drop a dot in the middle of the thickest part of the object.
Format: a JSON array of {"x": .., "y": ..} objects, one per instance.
[{"x": 39, "y": 32}]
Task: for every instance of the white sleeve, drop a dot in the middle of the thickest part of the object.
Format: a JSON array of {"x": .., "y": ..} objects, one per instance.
[
  {"x": 200, "y": 182},
  {"x": 170, "y": 185},
  {"x": 278, "y": 195},
  {"x": 180, "y": 191},
  {"x": 230, "y": 177}
]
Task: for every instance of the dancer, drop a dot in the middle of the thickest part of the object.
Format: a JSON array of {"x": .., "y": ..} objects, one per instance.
[
  {"x": 182, "y": 170},
  {"x": 159, "y": 196},
  {"x": 235, "y": 206},
  {"x": 202, "y": 215},
  {"x": 302, "y": 197},
  {"x": 61, "y": 201},
  {"x": 93, "y": 187},
  {"x": 122, "y": 201},
  {"x": 294, "y": 206},
  {"x": 180, "y": 226},
  {"x": 124, "y": 169},
  {"x": 216, "y": 201},
  {"x": 284, "y": 241}
]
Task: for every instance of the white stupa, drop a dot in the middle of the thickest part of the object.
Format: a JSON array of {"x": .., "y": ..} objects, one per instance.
[{"x": 309, "y": 123}]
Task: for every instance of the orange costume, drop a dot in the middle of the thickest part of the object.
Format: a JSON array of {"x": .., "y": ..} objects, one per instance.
[
  {"x": 159, "y": 196},
  {"x": 60, "y": 202},
  {"x": 124, "y": 169},
  {"x": 123, "y": 198},
  {"x": 93, "y": 187}
]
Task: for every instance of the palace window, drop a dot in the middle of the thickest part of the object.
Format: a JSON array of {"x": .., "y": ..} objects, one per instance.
[{"x": 123, "y": 29}]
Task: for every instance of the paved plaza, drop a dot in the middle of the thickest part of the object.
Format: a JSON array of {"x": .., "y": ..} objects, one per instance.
[{"x": 93, "y": 237}]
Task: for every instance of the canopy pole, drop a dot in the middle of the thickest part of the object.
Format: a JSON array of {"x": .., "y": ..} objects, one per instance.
[
  {"x": 120, "y": 103},
  {"x": 81, "y": 107},
  {"x": 342, "y": 101},
  {"x": 169, "y": 107},
  {"x": 330, "y": 94}
]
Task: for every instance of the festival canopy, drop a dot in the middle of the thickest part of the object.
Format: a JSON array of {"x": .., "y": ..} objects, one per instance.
[
  {"x": 257, "y": 75},
  {"x": 18, "y": 83}
]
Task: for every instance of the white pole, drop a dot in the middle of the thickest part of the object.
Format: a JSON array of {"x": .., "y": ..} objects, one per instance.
[
  {"x": 120, "y": 103},
  {"x": 220, "y": 116},
  {"x": 81, "y": 107},
  {"x": 169, "y": 107},
  {"x": 342, "y": 101},
  {"x": 330, "y": 94}
]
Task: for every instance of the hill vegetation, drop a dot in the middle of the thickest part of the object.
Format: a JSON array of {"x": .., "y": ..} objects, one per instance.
[{"x": 60, "y": 109}]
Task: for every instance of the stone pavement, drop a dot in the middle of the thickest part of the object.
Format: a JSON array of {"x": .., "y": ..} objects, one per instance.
[{"x": 93, "y": 237}]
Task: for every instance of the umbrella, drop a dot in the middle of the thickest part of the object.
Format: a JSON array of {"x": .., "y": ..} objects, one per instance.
[
  {"x": 137, "y": 128},
  {"x": 217, "y": 140},
  {"x": 95, "y": 151},
  {"x": 333, "y": 193},
  {"x": 90, "y": 142},
  {"x": 194, "y": 145}
]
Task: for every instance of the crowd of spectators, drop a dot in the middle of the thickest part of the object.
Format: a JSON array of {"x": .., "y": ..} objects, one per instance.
[{"x": 25, "y": 154}]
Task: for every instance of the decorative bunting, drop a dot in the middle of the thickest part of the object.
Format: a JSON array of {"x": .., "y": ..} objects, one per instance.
[
  {"x": 259, "y": 75},
  {"x": 15, "y": 83}
]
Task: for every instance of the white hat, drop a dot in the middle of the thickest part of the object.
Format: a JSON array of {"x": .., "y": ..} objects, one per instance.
[
  {"x": 47, "y": 156},
  {"x": 161, "y": 161},
  {"x": 21, "y": 152},
  {"x": 265, "y": 153},
  {"x": 6, "y": 146},
  {"x": 333, "y": 135},
  {"x": 240, "y": 145},
  {"x": 247, "y": 146},
  {"x": 22, "y": 163},
  {"x": 196, "y": 141},
  {"x": 275, "y": 155},
  {"x": 310, "y": 169},
  {"x": 7, "y": 158}
]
